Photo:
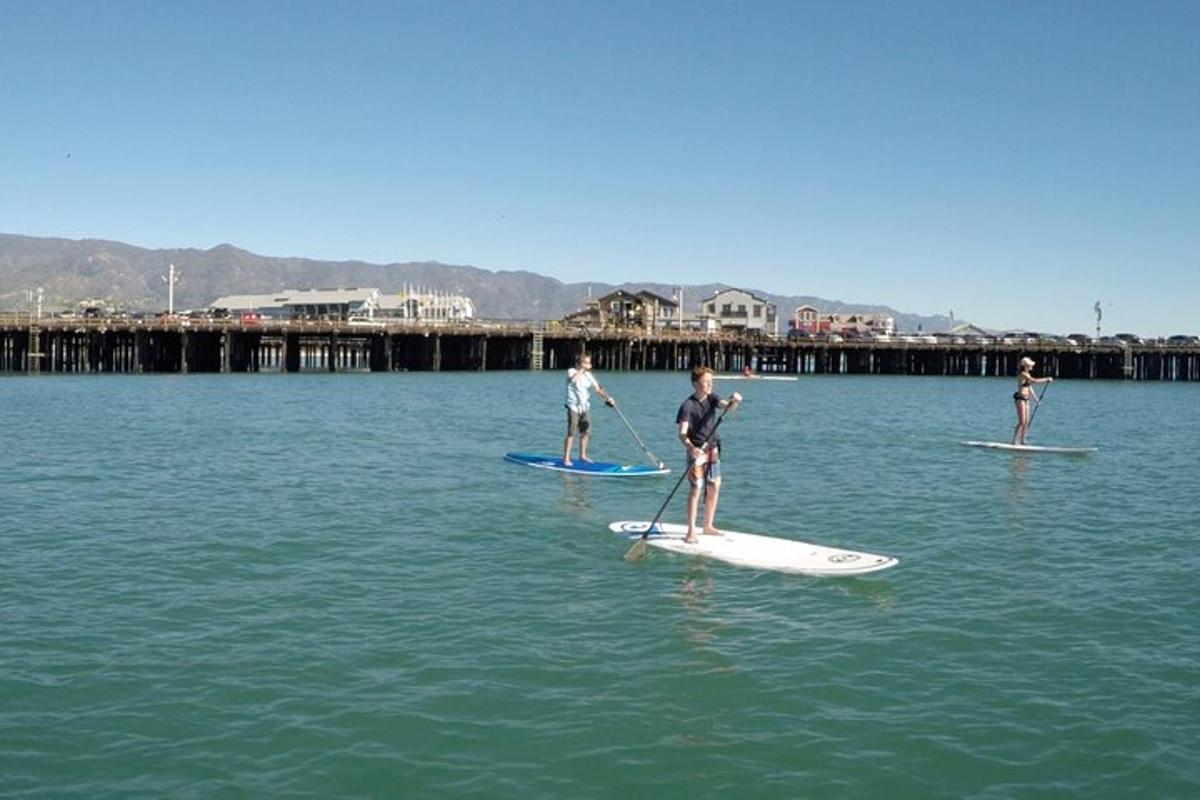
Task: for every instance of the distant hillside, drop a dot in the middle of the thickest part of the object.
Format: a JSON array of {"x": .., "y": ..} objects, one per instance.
[{"x": 131, "y": 277}]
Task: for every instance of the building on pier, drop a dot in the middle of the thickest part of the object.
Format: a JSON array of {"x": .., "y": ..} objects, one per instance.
[
  {"x": 350, "y": 304},
  {"x": 969, "y": 330},
  {"x": 741, "y": 311},
  {"x": 412, "y": 304},
  {"x": 809, "y": 320},
  {"x": 335, "y": 305},
  {"x": 623, "y": 310}
]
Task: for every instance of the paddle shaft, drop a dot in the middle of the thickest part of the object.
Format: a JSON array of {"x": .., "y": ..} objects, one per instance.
[
  {"x": 653, "y": 457},
  {"x": 683, "y": 474},
  {"x": 1029, "y": 424}
]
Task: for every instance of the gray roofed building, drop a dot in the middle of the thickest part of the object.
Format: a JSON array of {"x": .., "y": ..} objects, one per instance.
[{"x": 330, "y": 304}]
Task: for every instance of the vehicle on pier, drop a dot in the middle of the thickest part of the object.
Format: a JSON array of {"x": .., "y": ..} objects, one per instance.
[{"x": 367, "y": 322}]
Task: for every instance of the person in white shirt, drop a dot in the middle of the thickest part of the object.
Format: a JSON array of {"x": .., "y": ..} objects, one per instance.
[{"x": 579, "y": 380}]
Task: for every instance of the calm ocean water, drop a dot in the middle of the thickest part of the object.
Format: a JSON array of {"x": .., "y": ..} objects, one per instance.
[{"x": 333, "y": 586}]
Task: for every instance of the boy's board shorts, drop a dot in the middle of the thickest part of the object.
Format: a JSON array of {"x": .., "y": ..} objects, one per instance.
[
  {"x": 706, "y": 467},
  {"x": 577, "y": 422}
]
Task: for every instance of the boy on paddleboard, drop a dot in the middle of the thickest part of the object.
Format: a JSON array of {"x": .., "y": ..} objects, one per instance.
[
  {"x": 697, "y": 420},
  {"x": 579, "y": 380}
]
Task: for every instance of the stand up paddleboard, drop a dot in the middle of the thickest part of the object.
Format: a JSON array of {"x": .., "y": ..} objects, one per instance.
[
  {"x": 734, "y": 377},
  {"x": 602, "y": 469},
  {"x": 1029, "y": 448},
  {"x": 758, "y": 552}
]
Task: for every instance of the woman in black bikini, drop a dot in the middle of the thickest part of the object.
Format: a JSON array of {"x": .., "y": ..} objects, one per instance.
[{"x": 1025, "y": 382}]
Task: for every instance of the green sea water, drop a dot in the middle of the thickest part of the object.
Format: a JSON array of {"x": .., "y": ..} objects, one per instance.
[{"x": 334, "y": 586}]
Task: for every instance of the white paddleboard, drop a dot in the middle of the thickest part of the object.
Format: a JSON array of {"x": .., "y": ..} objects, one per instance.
[
  {"x": 1030, "y": 448},
  {"x": 758, "y": 552},
  {"x": 735, "y": 377}
]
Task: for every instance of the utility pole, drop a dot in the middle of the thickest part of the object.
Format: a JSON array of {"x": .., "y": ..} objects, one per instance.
[
  {"x": 33, "y": 362},
  {"x": 1099, "y": 315},
  {"x": 172, "y": 277}
]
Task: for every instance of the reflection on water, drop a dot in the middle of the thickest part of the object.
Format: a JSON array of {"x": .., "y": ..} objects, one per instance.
[
  {"x": 1020, "y": 466},
  {"x": 697, "y": 585},
  {"x": 879, "y": 593},
  {"x": 701, "y": 626},
  {"x": 575, "y": 493},
  {"x": 1017, "y": 491}
]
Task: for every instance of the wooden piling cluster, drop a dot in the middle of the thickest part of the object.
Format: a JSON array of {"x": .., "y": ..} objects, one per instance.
[{"x": 132, "y": 347}]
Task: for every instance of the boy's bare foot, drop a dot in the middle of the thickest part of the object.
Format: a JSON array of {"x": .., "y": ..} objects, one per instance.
[
  {"x": 585, "y": 460},
  {"x": 714, "y": 532},
  {"x": 568, "y": 463}
]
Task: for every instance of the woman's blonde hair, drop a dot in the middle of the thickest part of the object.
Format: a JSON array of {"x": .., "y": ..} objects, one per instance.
[{"x": 1027, "y": 362}]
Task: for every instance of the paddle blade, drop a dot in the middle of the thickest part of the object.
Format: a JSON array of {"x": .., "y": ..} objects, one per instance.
[{"x": 636, "y": 552}]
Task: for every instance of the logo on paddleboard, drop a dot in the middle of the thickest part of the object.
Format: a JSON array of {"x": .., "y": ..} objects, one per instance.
[{"x": 842, "y": 558}]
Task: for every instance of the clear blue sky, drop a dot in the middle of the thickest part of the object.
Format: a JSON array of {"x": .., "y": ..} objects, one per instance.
[{"x": 1011, "y": 161}]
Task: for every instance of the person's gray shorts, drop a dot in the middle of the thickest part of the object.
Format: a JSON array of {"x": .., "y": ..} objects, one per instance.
[{"x": 577, "y": 422}]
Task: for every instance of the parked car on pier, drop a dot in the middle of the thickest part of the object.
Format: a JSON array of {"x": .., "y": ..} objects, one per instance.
[
  {"x": 251, "y": 318},
  {"x": 1017, "y": 337},
  {"x": 367, "y": 322},
  {"x": 1080, "y": 338},
  {"x": 1129, "y": 338},
  {"x": 1182, "y": 339}
]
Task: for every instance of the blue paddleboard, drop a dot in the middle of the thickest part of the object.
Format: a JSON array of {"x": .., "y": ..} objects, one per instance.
[{"x": 601, "y": 469}]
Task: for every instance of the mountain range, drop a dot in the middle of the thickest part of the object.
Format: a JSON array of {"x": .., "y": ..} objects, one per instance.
[{"x": 74, "y": 271}]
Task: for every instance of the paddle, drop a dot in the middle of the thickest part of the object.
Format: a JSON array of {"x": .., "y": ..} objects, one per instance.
[
  {"x": 653, "y": 458},
  {"x": 639, "y": 547},
  {"x": 1029, "y": 424}
]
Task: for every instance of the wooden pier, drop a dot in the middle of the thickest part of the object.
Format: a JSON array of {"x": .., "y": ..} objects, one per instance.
[{"x": 55, "y": 345}]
